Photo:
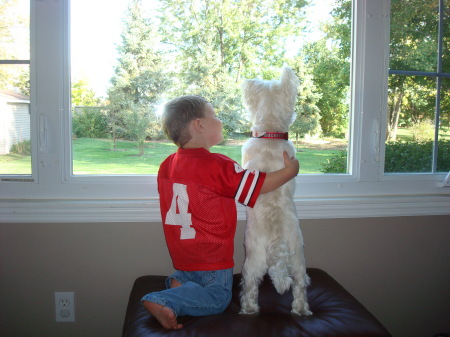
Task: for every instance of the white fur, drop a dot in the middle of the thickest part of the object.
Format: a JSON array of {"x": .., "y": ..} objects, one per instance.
[{"x": 273, "y": 240}]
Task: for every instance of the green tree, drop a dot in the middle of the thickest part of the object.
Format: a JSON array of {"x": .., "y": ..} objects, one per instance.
[
  {"x": 13, "y": 77},
  {"x": 218, "y": 43},
  {"x": 308, "y": 113},
  {"x": 139, "y": 79},
  {"x": 88, "y": 117},
  {"x": 332, "y": 80},
  {"x": 21, "y": 79},
  {"x": 413, "y": 47},
  {"x": 83, "y": 94},
  {"x": 329, "y": 61}
]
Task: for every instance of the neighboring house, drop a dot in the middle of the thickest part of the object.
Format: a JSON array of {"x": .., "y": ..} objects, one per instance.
[{"x": 14, "y": 119}]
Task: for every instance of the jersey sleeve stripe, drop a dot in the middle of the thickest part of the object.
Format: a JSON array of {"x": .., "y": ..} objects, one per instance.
[
  {"x": 241, "y": 185},
  {"x": 250, "y": 183},
  {"x": 252, "y": 187}
]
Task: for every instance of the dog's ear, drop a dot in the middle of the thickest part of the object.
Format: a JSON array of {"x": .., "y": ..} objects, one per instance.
[
  {"x": 289, "y": 81},
  {"x": 247, "y": 93},
  {"x": 289, "y": 84},
  {"x": 244, "y": 88}
]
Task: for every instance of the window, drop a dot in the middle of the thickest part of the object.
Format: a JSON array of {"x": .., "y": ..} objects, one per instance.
[
  {"x": 418, "y": 125},
  {"x": 146, "y": 52},
  {"x": 54, "y": 194},
  {"x": 15, "y": 131}
]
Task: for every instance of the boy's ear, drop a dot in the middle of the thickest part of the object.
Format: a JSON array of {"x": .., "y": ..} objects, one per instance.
[{"x": 198, "y": 124}]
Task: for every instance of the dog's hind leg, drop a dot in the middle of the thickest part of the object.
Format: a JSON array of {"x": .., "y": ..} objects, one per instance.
[
  {"x": 300, "y": 303},
  {"x": 252, "y": 274},
  {"x": 301, "y": 281}
]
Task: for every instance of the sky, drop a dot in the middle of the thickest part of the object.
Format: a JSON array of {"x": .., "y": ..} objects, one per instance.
[
  {"x": 95, "y": 33},
  {"x": 94, "y": 38}
]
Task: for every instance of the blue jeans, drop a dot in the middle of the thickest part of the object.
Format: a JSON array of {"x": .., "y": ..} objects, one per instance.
[{"x": 201, "y": 293}]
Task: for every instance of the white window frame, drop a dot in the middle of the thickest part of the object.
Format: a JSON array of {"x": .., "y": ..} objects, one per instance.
[{"x": 52, "y": 194}]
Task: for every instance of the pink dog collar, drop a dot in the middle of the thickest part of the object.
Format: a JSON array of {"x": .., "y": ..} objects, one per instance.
[{"x": 271, "y": 135}]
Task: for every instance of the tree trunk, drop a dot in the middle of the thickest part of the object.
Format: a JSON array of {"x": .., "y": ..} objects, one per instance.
[
  {"x": 141, "y": 147},
  {"x": 392, "y": 126},
  {"x": 113, "y": 129}
]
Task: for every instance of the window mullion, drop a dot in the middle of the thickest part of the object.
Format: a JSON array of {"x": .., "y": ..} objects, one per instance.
[
  {"x": 33, "y": 109},
  {"x": 438, "y": 87},
  {"x": 48, "y": 93},
  {"x": 371, "y": 43}
]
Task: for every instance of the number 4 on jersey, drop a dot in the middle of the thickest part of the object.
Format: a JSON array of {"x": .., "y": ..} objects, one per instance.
[{"x": 178, "y": 213}]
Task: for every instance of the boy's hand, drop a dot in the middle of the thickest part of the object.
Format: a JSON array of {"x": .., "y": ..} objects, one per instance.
[
  {"x": 291, "y": 163},
  {"x": 277, "y": 178}
]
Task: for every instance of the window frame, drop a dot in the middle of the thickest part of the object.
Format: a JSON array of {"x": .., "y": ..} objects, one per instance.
[{"x": 54, "y": 195}]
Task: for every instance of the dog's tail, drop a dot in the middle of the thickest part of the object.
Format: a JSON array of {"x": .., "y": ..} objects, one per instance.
[{"x": 279, "y": 257}]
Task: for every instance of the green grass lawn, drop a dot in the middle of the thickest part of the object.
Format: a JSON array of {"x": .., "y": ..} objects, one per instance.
[
  {"x": 310, "y": 159},
  {"x": 405, "y": 135},
  {"x": 97, "y": 156},
  {"x": 15, "y": 164}
]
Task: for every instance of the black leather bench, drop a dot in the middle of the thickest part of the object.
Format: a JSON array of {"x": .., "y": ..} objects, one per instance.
[{"x": 336, "y": 313}]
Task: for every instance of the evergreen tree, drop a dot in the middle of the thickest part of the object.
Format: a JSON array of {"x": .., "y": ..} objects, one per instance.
[
  {"x": 308, "y": 114},
  {"x": 139, "y": 78}
]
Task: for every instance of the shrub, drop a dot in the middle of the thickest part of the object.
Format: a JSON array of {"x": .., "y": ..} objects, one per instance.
[
  {"x": 336, "y": 164},
  {"x": 416, "y": 156},
  {"x": 22, "y": 148},
  {"x": 422, "y": 131},
  {"x": 89, "y": 122},
  {"x": 401, "y": 157}
]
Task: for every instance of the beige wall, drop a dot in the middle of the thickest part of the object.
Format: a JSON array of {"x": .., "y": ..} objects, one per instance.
[{"x": 398, "y": 267}]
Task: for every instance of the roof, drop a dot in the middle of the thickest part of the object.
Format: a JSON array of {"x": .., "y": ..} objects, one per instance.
[{"x": 13, "y": 97}]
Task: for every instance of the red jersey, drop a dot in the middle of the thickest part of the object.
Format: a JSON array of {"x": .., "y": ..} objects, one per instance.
[{"x": 198, "y": 190}]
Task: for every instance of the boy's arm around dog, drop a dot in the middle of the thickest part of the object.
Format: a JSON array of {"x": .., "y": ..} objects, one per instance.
[{"x": 277, "y": 178}]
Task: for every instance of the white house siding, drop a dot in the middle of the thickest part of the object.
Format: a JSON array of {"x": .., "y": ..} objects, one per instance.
[{"x": 14, "y": 123}]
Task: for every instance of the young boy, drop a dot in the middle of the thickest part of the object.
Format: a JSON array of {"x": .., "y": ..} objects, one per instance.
[{"x": 198, "y": 190}]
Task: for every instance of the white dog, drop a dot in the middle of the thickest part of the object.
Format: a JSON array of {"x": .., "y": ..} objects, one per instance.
[{"x": 273, "y": 240}]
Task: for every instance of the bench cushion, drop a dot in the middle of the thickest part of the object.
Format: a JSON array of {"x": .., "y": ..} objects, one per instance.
[{"x": 336, "y": 313}]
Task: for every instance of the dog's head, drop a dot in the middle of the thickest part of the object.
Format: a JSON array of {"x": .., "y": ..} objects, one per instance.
[{"x": 270, "y": 103}]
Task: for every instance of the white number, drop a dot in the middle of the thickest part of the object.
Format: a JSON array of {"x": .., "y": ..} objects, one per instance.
[{"x": 180, "y": 201}]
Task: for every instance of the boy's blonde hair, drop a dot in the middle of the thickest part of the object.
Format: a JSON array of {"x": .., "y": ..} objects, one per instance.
[{"x": 177, "y": 115}]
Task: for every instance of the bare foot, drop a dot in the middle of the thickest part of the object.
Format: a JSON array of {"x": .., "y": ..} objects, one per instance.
[
  {"x": 165, "y": 316},
  {"x": 175, "y": 283}
]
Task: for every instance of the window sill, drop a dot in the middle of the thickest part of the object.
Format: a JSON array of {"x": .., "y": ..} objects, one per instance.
[{"x": 92, "y": 211}]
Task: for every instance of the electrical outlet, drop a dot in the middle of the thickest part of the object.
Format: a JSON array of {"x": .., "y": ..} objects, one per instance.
[{"x": 65, "y": 306}]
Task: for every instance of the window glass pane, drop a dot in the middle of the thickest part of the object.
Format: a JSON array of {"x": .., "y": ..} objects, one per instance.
[
  {"x": 412, "y": 142},
  {"x": 443, "y": 157},
  {"x": 411, "y": 120},
  {"x": 145, "y": 52},
  {"x": 446, "y": 40},
  {"x": 414, "y": 27},
  {"x": 15, "y": 146},
  {"x": 15, "y": 30}
]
